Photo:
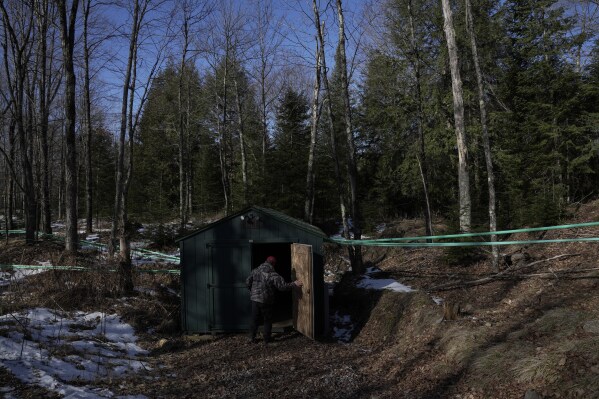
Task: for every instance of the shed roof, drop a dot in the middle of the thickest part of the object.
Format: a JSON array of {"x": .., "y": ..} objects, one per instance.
[{"x": 279, "y": 216}]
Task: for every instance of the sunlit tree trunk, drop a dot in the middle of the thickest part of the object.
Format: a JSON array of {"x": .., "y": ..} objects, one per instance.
[
  {"x": 458, "y": 112},
  {"x": 314, "y": 118},
  {"x": 331, "y": 122},
  {"x": 352, "y": 168}
]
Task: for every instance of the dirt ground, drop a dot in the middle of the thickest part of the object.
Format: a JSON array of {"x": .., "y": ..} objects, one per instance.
[{"x": 532, "y": 330}]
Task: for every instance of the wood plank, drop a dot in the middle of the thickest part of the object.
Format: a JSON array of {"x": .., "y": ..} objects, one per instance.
[{"x": 303, "y": 299}]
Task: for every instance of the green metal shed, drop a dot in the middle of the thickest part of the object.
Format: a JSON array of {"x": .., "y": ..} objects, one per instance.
[{"x": 217, "y": 259}]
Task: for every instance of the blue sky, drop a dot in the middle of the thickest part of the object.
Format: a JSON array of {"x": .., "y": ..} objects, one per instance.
[{"x": 296, "y": 48}]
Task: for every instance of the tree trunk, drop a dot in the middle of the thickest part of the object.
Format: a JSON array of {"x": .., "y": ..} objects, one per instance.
[
  {"x": 117, "y": 227},
  {"x": 44, "y": 109},
  {"x": 182, "y": 174},
  {"x": 67, "y": 33},
  {"x": 352, "y": 168},
  {"x": 458, "y": 112},
  {"x": 315, "y": 116},
  {"x": 420, "y": 120},
  {"x": 485, "y": 131},
  {"x": 244, "y": 176},
  {"x": 331, "y": 116},
  {"x": 17, "y": 44},
  {"x": 225, "y": 167},
  {"x": 88, "y": 123},
  {"x": 11, "y": 181}
]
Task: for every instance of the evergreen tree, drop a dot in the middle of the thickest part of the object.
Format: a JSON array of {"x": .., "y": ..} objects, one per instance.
[
  {"x": 288, "y": 159},
  {"x": 536, "y": 87}
]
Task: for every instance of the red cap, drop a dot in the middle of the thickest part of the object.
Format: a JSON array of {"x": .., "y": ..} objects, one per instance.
[{"x": 272, "y": 260}]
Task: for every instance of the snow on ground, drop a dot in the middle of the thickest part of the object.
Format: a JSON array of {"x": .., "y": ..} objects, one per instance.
[
  {"x": 9, "y": 277},
  {"x": 92, "y": 237},
  {"x": 62, "y": 351},
  {"x": 369, "y": 283}
]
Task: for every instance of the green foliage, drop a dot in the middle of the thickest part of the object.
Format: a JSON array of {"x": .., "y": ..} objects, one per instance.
[
  {"x": 103, "y": 173},
  {"x": 288, "y": 159}
]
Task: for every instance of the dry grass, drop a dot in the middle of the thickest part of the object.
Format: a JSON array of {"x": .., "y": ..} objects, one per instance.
[{"x": 460, "y": 344}]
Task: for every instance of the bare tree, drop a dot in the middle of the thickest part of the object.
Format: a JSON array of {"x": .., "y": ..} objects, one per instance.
[
  {"x": 331, "y": 122},
  {"x": 268, "y": 38},
  {"x": 17, "y": 46},
  {"x": 48, "y": 84},
  {"x": 485, "y": 130},
  {"x": 352, "y": 168},
  {"x": 315, "y": 117},
  {"x": 458, "y": 113},
  {"x": 67, "y": 33},
  {"x": 129, "y": 120},
  {"x": 585, "y": 28},
  {"x": 86, "y": 7},
  {"x": 192, "y": 12},
  {"x": 226, "y": 44}
]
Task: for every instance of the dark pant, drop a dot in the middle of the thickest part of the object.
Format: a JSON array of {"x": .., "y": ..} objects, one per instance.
[{"x": 261, "y": 311}]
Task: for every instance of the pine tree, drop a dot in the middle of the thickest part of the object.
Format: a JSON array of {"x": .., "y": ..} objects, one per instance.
[
  {"x": 535, "y": 87},
  {"x": 288, "y": 161}
]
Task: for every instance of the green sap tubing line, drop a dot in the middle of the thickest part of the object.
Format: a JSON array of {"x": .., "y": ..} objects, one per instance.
[
  {"x": 373, "y": 243},
  {"x": 488, "y": 233}
]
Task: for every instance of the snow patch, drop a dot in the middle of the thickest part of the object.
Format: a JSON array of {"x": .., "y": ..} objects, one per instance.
[
  {"x": 370, "y": 283},
  {"x": 10, "y": 277},
  {"x": 51, "y": 348},
  {"x": 92, "y": 237}
]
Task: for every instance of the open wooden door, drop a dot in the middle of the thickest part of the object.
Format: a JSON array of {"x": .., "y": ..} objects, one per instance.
[{"x": 303, "y": 299}]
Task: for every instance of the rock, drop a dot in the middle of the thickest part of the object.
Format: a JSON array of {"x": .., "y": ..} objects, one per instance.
[
  {"x": 530, "y": 394},
  {"x": 591, "y": 326}
]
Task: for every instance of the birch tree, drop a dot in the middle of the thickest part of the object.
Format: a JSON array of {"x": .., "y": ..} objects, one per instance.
[
  {"x": 314, "y": 118},
  {"x": 356, "y": 253},
  {"x": 458, "y": 113},
  {"x": 331, "y": 119}
]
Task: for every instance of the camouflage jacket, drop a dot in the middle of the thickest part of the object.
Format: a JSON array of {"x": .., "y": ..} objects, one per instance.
[{"x": 263, "y": 281}]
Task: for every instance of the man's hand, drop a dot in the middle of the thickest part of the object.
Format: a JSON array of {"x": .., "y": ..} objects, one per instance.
[{"x": 298, "y": 283}]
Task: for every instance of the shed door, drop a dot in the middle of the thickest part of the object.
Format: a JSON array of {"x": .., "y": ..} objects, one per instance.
[
  {"x": 228, "y": 294},
  {"x": 303, "y": 300}
]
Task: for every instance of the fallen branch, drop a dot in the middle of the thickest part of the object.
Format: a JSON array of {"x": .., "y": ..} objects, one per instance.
[{"x": 495, "y": 277}]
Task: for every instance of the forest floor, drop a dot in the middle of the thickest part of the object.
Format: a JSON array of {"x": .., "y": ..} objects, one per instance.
[{"x": 533, "y": 330}]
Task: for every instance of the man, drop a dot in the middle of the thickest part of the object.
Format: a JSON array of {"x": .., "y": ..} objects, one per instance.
[{"x": 262, "y": 283}]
